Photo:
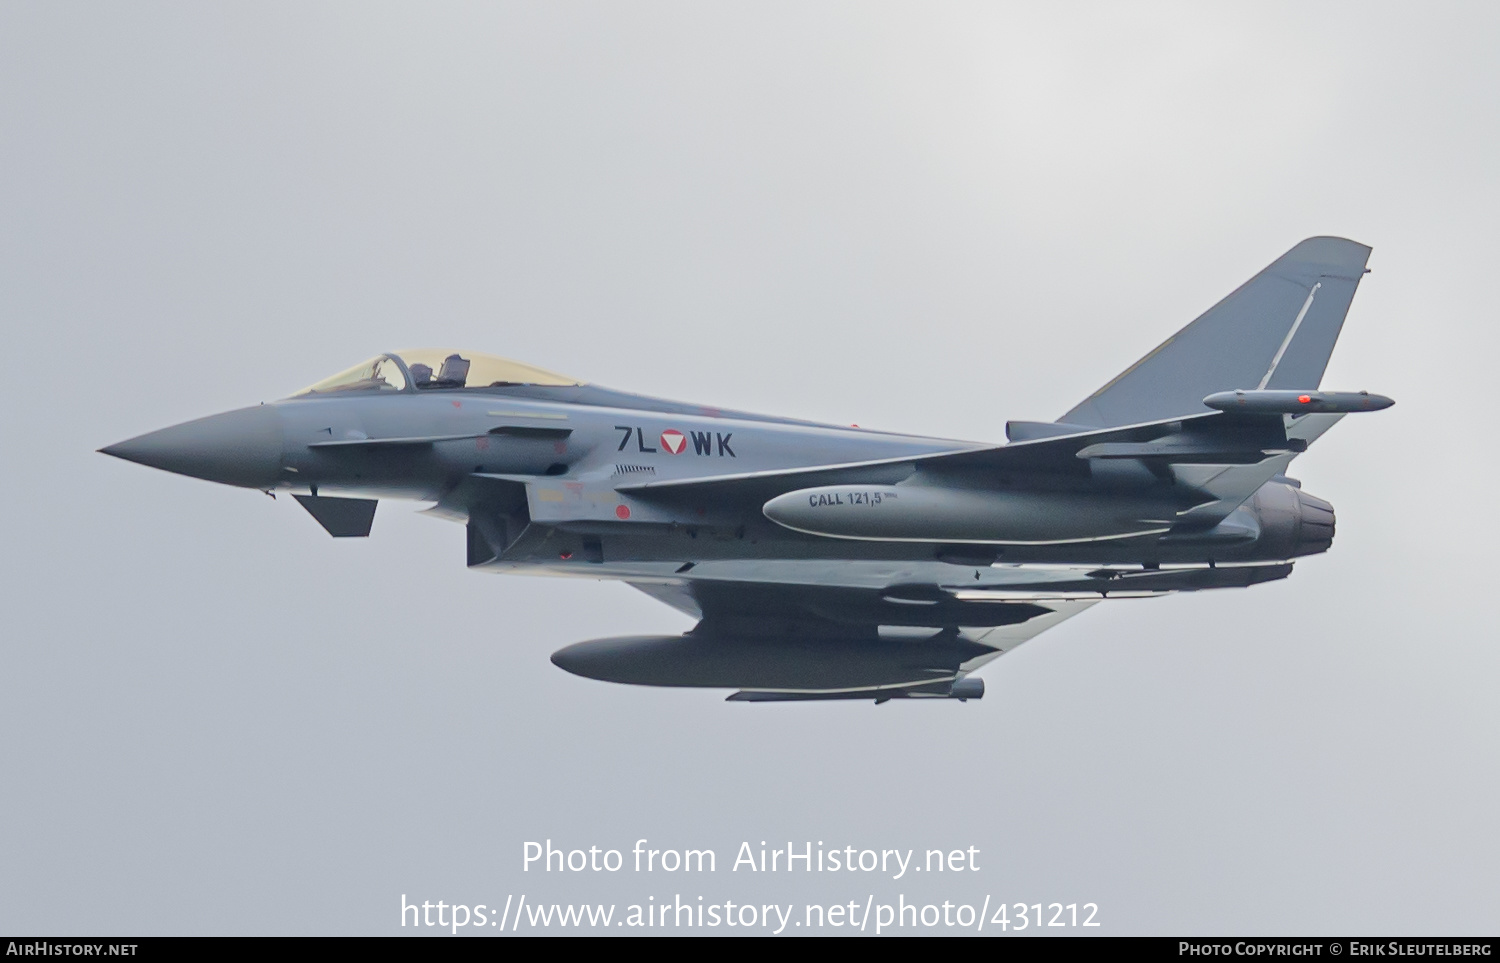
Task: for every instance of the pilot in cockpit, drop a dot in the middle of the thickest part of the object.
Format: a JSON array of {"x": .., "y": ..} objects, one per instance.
[{"x": 430, "y": 369}]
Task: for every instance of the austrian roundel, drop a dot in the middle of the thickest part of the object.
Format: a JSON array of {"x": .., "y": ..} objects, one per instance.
[{"x": 673, "y": 441}]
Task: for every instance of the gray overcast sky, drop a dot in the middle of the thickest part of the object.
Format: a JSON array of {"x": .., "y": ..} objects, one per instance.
[{"x": 922, "y": 217}]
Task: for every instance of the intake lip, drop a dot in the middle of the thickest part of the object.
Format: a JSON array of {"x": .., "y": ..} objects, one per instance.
[{"x": 240, "y": 447}]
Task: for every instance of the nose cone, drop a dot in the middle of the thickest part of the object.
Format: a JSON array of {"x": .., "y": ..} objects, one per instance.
[{"x": 241, "y": 447}]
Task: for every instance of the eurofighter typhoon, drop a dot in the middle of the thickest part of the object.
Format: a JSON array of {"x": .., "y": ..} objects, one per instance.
[{"x": 823, "y": 561}]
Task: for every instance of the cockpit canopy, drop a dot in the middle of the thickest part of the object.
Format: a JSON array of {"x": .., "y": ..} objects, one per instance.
[{"x": 424, "y": 369}]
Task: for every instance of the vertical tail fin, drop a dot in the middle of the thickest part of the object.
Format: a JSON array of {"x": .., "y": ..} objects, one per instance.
[{"x": 1277, "y": 330}]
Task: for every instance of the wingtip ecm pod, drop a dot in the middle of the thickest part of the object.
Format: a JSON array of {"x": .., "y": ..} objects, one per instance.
[{"x": 1291, "y": 402}]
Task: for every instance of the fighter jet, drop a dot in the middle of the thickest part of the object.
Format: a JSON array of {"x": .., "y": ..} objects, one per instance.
[{"x": 824, "y": 561}]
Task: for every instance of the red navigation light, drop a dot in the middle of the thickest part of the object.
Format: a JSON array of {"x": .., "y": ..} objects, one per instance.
[
  {"x": 565, "y": 556},
  {"x": 1304, "y": 398}
]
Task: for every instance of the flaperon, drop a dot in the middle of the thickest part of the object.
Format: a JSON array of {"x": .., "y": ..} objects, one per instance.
[{"x": 826, "y": 562}]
